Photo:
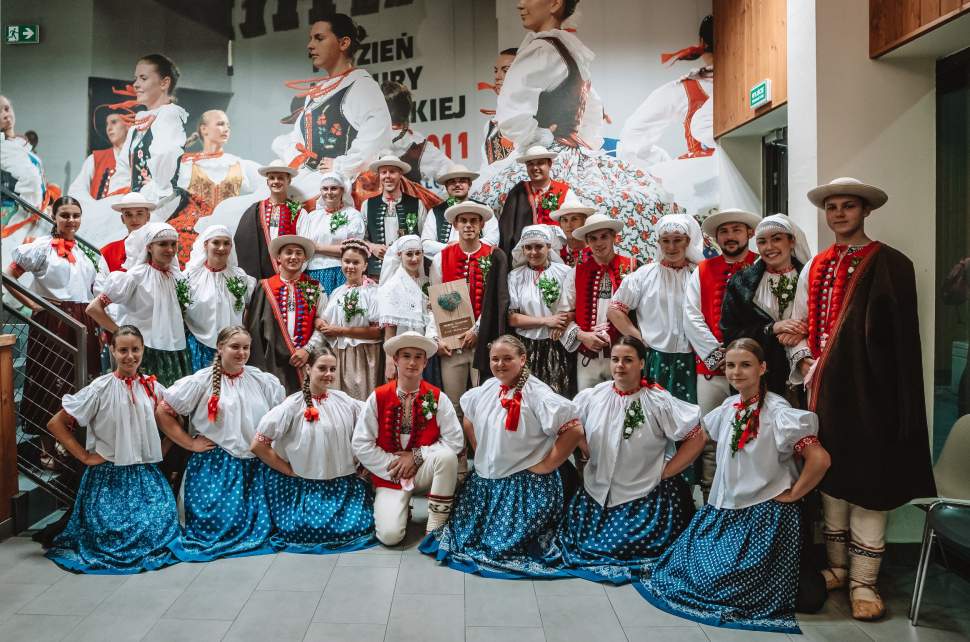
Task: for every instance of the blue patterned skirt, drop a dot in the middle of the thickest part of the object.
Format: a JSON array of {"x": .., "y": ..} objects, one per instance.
[
  {"x": 736, "y": 569},
  {"x": 675, "y": 371},
  {"x": 200, "y": 355},
  {"x": 498, "y": 523},
  {"x": 124, "y": 521},
  {"x": 168, "y": 366},
  {"x": 329, "y": 278},
  {"x": 320, "y": 515},
  {"x": 618, "y": 543},
  {"x": 226, "y": 510}
]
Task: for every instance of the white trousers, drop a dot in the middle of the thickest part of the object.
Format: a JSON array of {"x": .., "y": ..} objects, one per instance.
[
  {"x": 711, "y": 393},
  {"x": 593, "y": 372},
  {"x": 437, "y": 476}
]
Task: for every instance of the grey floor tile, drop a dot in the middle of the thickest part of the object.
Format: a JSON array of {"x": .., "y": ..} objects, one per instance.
[
  {"x": 236, "y": 572},
  {"x": 188, "y": 631},
  {"x": 898, "y": 629},
  {"x": 716, "y": 634},
  {"x": 357, "y": 595},
  {"x": 503, "y": 634},
  {"x": 14, "y": 596},
  {"x": 834, "y": 611},
  {"x": 843, "y": 632},
  {"x": 74, "y": 595},
  {"x": 38, "y": 628},
  {"x": 177, "y": 577},
  {"x": 209, "y": 603},
  {"x": 112, "y": 628},
  {"x": 634, "y": 611},
  {"x": 409, "y": 624},
  {"x": 152, "y": 603},
  {"x": 509, "y": 602},
  {"x": 579, "y": 619},
  {"x": 14, "y": 549},
  {"x": 567, "y": 586},
  {"x": 423, "y": 576},
  {"x": 379, "y": 557},
  {"x": 284, "y": 604},
  {"x": 290, "y": 572},
  {"x": 252, "y": 628},
  {"x": 31, "y": 568},
  {"x": 665, "y": 634},
  {"x": 337, "y": 632}
]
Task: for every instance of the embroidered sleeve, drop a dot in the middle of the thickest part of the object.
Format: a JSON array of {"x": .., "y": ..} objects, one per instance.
[
  {"x": 167, "y": 409},
  {"x": 805, "y": 442},
  {"x": 568, "y": 425},
  {"x": 798, "y": 355},
  {"x": 15, "y": 270},
  {"x": 714, "y": 358},
  {"x": 619, "y": 305},
  {"x": 696, "y": 429},
  {"x": 104, "y": 300},
  {"x": 263, "y": 439},
  {"x": 570, "y": 339}
]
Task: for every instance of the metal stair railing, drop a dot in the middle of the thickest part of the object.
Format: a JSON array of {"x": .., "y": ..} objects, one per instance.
[{"x": 7, "y": 194}]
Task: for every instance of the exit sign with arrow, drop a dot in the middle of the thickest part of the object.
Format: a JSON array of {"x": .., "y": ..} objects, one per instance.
[{"x": 21, "y": 34}]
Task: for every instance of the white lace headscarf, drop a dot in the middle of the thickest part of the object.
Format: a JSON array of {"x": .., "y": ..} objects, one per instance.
[
  {"x": 136, "y": 245},
  {"x": 542, "y": 233},
  {"x": 781, "y": 222},
  {"x": 197, "y": 258},
  {"x": 333, "y": 178},
  {"x": 400, "y": 300},
  {"x": 683, "y": 224},
  {"x": 392, "y": 258}
]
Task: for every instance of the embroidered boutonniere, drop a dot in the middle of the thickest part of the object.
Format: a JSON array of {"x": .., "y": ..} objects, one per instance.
[
  {"x": 294, "y": 207},
  {"x": 351, "y": 305},
  {"x": 337, "y": 221},
  {"x": 91, "y": 254},
  {"x": 633, "y": 418},
  {"x": 452, "y": 200},
  {"x": 428, "y": 406},
  {"x": 550, "y": 291},
  {"x": 624, "y": 270},
  {"x": 183, "y": 293},
  {"x": 310, "y": 291},
  {"x": 784, "y": 290},
  {"x": 485, "y": 264},
  {"x": 550, "y": 202},
  {"x": 411, "y": 222},
  {"x": 853, "y": 264},
  {"x": 237, "y": 288}
]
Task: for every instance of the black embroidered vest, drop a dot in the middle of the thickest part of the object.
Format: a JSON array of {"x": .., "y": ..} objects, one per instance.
[
  {"x": 564, "y": 105},
  {"x": 376, "y": 206},
  {"x": 327, "y": 132}
]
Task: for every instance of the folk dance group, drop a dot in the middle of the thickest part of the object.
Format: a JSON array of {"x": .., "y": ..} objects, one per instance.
[{"x": 286, "y": 376}]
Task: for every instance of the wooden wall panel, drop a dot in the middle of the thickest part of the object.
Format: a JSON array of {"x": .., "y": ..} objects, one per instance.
[
  {"x": 893, "y": 23},
  {"x": 750, "y": 44}
]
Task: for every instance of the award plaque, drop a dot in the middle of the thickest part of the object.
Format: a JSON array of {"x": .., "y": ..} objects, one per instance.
[{"x": 451, "y": 306}]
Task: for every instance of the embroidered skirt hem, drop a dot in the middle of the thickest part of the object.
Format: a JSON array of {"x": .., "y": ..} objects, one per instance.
[
  {"x": 735, "y": 569},
  {"x": 320, "y": 515},
  {"x": 124, "y": 521},
  {"x": 498, "y": 523}
]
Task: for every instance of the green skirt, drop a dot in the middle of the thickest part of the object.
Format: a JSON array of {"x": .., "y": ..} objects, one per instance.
[
  {"x": 675, "y": 371},
  {"x": 168, "y": 366}
]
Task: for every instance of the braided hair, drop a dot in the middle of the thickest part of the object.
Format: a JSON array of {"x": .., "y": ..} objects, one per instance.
[
  {"x": 224, "y": 335},
  {"x": 752, "y": 346},
  {"x": 311, "y": 413}
]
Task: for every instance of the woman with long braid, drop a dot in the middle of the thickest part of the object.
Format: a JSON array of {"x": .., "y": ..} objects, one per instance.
[
  {"x": 226, "y": 510},
  {"x": 521, "y": 432},
  {"x": 317, "y": 503}
]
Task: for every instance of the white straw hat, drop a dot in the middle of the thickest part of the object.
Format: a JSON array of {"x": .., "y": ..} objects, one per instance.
[{"x": 848, "y": 186}]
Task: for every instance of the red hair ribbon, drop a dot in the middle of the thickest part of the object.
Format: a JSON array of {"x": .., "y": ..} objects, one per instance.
[
  {"x": 687, "y": 53},
  {"x": 512, "y": 406},
  {"x": 213, "y": 407},
  {"x": 311, "y": 414}
]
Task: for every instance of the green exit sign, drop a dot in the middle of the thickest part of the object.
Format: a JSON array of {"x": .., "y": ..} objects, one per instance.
[
  {"x": 21, "y": 34},
  {"x": 760, "y": 94}
]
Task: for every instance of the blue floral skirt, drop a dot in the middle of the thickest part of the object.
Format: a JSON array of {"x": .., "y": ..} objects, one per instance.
[
  {"x": 124, "y": 521},
  {"x": 200, "y": 355},
  {"x": 329, "y": 278},
  {"x": 226, "y": 509},
  {"x": 497, "y": 524},
  {"x": 320, "y": 515},
  {"x": 736, "y": 569},
  {"x": 618, "y": 543}
]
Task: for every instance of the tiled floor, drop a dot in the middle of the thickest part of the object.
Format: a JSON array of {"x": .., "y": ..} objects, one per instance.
[{"x": 383, "y": 595}]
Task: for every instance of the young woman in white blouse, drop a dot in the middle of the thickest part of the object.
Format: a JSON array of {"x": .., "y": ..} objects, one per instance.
[
  {"x": 67, "y": 277},
  {"x": 656, "y": 293},
  {"x": 333, "y": 221},
  {"x": 224, "y": 489},
  {"x": 541, "y": 292},
  {"x": 317, "y": 502},
  {"x": 150, "y": 294},
  {"x": 350, "y": 324},
  {"x": 736, "y": 564},
  {"x": 634, "y": 502},
  {"x": 521, "y": 432},
  {"x": 402, "y": 300},
  {"x": 124, "y": 518},
  {"x": 219, "y": 290}
]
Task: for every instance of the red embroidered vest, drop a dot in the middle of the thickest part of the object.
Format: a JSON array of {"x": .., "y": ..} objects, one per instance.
[
  {"x": 114, "y": 255},
  {"x": 572, "y": 257},
  {"x": 540, "y": 214},
  {"x": 588, "y": 277},
  {"x": 424, "y": 432},
  {"x": 714, "y": 275},
  {"x": 828, "y": 279},
  {"x": 456, "y": 265},
  {"x": 305, "y": 313},
  {"x": 104, "y": 169}
]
